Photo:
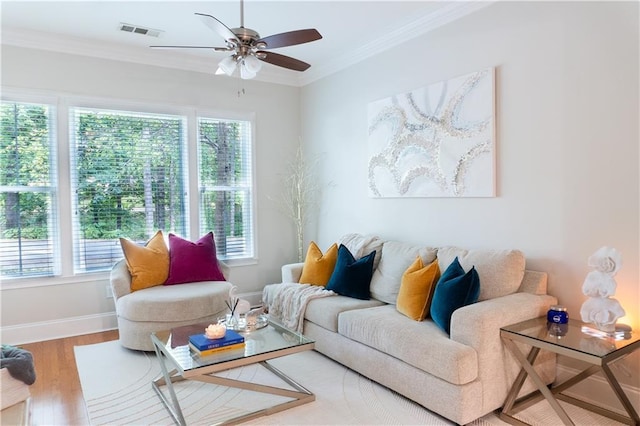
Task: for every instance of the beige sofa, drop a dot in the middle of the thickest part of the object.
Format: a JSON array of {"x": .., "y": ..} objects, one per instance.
[
  {"x": 163, "y": 307},
  {"x": 461, "y": 376}
]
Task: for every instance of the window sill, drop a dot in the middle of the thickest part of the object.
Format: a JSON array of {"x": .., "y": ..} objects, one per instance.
[{"x": 29, "y": 282}]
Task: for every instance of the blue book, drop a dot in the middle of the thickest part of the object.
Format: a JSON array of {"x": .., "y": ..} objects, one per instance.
[{"x": 201, "y": 342}]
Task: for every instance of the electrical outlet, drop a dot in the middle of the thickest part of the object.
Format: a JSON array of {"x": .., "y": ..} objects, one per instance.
[{"x": 108, "y": 292}]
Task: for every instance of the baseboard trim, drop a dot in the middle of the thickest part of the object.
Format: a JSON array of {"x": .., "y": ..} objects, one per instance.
[
  {"x": 596, "y": 390},
  {"x": 58, "y": 329}
]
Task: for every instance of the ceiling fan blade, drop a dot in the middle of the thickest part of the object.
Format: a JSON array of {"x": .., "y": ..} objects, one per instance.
[
  {"x": 217, "y": 49},
  {"x": 283, "y": 61},
  {"x": 290, "y": 38},
  {"x": 218, "y": 27}
]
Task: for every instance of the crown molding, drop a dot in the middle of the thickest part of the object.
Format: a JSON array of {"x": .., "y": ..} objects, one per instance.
[
  {"x": 117, "y": 52},
  {"x": 105, "y": 50},
  {"x": 441, "y": 16}
]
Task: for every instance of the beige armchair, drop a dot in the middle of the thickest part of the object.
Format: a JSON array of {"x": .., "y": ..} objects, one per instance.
[{"x": 145, "y": 311}]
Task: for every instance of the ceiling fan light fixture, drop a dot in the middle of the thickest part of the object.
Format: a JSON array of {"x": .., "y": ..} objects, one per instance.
[
  {"x": 246, "y": 73},
  {"x": 252, "y": 64},
  {"x": 228, "y": 65}
]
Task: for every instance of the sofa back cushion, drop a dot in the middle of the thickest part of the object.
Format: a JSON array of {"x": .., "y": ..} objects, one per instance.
[
  {"x": 396, "y": 258},
  {"x": 500, "y": 271},
  {"x": 361, "y": 245}
]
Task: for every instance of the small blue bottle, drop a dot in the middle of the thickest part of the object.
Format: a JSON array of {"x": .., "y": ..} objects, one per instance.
[{"x": 558, "y": 314}]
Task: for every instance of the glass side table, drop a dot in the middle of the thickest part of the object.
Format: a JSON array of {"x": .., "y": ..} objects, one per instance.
[{"x": 567, "y": 340}]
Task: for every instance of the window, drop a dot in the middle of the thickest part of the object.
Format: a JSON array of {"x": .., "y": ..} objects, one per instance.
[
  {"x": 121, "y": 172},
  {"x": 27, "y": 190},
  {"x": 226, "y": 185},
  {"x": 127, "y": 179}
]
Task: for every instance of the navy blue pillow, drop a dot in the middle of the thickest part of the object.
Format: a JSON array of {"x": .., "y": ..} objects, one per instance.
[
  {"x": 454, "y": 290},
  {"x": 352, "y": 277}
]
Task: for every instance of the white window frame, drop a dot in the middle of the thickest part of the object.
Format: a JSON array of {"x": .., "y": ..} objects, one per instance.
[{"x": 64, "y": 244}]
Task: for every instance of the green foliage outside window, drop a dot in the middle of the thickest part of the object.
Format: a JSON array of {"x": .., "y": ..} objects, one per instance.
[
  {"x": 24, "y": 162},
  {"x": 129, "y": 179}
]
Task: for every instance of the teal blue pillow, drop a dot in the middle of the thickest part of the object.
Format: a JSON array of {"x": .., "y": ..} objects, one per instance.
[
  {"x": 454, "y": 289},
  {"x": 352, "y": 277}
]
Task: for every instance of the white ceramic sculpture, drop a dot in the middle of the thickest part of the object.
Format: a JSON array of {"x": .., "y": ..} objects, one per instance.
[{"x": 599, "y": 285}]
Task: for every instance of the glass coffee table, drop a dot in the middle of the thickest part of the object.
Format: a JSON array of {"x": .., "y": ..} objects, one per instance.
[
  {"x": 568, "y": 340},
  {"x": 272, "y": 341}
]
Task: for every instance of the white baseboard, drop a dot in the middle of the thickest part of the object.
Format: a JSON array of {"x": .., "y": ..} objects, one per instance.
[
  {"x": 596, "y": 390},
  {"x": 48, "y": 330}
]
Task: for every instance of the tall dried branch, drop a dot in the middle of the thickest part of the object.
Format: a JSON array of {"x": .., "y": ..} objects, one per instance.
[{"x": 298, "y": 196}]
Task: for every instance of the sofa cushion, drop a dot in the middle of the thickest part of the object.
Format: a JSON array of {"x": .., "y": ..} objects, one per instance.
[
  {"x": 500, "y": 271},
  {"x": 148, "y": 265},
  {"x": 396, "y": 258},
  {"x": 351, "y": 277},
  {"x": 324, "y": 311},
  {"x": 416, "y": 289},
  {"x": 318, "y": 267},
  {"x": 192, "y": 262},
  {"x": 420, "y": 344},
  {"x": 454, "y": 289},
  {"x": 190, "y": 301},
  {"x": 362, "y": 245}
]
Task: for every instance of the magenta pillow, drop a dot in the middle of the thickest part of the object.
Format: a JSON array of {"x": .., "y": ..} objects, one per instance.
[{"x": 192, "y": 262}]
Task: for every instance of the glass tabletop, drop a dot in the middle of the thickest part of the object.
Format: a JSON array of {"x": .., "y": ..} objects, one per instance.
[
  {"x": 273, "y": 337},
  {"x": 571, "y": 336}
]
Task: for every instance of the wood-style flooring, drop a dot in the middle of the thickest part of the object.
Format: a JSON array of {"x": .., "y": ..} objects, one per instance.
[{"x": 56, "y": 396}]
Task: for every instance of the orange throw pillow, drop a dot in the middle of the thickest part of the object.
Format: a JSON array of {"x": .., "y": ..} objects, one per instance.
[
  {"x": 416, "y": 289},
  {"x": 149, "y": 264},
  {"x": 318, "y": 267}
]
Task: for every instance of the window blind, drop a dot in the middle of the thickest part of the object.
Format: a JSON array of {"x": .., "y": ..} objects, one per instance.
[
  {"x": 128, "y": 180},
  {"x": 226, "y": 185},
  {"x": 27, "y": 190}
]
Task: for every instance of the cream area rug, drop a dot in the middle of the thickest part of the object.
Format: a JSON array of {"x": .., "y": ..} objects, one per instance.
[{"x": 116, "y": 384}]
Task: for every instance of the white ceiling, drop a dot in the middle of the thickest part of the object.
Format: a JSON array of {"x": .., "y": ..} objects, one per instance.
[{"x": 351, "y": 30}]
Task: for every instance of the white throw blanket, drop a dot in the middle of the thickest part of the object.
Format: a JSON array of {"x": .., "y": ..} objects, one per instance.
[{"x": 287, "y": 302}]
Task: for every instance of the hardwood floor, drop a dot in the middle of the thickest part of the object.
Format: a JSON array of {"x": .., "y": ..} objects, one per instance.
[{"x": 56, "y": 396}]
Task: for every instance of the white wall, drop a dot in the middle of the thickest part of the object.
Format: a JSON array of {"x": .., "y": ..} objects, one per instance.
[
  {"x": 76, "y": 305},
  {"x": 567, "y": 142}
]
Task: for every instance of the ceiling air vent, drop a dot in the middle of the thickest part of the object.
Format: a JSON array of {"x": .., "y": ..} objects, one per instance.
[{"x": 128, "y": 28}]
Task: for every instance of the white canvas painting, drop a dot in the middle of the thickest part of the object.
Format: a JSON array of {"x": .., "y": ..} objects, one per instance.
[{"x": 436, "y": 141}]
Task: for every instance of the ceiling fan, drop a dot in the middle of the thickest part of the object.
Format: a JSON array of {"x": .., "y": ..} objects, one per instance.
[{"x": 249, "y": 48}]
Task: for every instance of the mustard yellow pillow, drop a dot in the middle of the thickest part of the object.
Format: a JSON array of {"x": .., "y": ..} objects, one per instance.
[
  {"x": 416, "y": 289},
  {"x": 317, "y": 267},
  {"x": 148, "y": 265}
]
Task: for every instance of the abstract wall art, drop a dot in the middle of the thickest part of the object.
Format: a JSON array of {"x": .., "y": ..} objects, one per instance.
[{"x": 436, "y": 141}]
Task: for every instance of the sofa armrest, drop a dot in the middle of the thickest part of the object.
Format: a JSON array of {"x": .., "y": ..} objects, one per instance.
[
  {"x": 291, "y": 273},
  {"x": 534, "y": 282},
  {"x": 225, "y": 269},
  {"x": 120, "y": 279},
  {"x": 479, "y": 323}
]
